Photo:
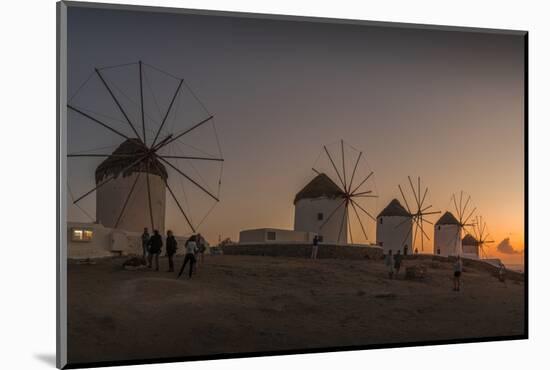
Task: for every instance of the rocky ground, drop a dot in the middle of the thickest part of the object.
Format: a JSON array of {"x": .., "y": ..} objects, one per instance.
[{"x": 247, "y": 304}]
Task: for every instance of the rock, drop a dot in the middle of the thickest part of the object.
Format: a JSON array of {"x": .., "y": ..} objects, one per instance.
[
  {"x": 134, "y": 263},
  {"x": 416, "y": 272}
]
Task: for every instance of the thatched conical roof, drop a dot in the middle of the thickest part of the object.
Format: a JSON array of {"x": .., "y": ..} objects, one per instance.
[
  {"x": 470, "y": 240},
  {"x": 320, "y": 186},
  {"x": 394, "y": 209},
  {"x": 447, "y": 219},
  {"x": 123, "y": 156}
]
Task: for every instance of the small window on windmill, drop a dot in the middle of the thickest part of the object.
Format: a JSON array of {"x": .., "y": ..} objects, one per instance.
[
  {"x": 81, "y": 235},
  {"x": 381, "y": 220},
  {"x": 320, "y": 216},
  {"x": 438, "y": 227},
  {"x": 271, "y": 235}
]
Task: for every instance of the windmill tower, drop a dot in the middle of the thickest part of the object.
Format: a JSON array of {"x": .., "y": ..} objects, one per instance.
[
  {"x": 447, "y": 236},
  {"x": 470, "y": 247},
  {"x": 313, "y": 204},
  {"x": 414, "y": 219},
  {"x": 152, "y": 155},
  {"x": 323, "y": 205},
  {"x": 144, "y": 182},
  {"x": 448, "y": 229},
  {"x": 481, "y": 236},
  {"x": 393, "y": 227}
]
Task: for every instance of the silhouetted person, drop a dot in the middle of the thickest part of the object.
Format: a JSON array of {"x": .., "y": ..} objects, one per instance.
[
  {"x": 397, "y": 262},
  {"x": 155, "y": 246},
  {"x": 315, "y": 247},
  {"x": 201, "y": 248},
  {"x": 390, "y": 263},
  {"x": 502, "y": 272},
  {"x": 457, "y": 272},
  {"x": 144, "y": 241},
  {"x": 171, "y": 248},
  {"x": 190, "y": 251}
]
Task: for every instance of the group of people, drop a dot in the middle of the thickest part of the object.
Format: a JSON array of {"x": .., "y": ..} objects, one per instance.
[
  {"x": 195, "y": 247},
  {"x": 393, "y": 263}
]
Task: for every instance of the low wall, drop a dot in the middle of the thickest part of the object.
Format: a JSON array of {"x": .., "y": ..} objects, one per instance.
[
  {"x": 303, "y": 250},
  {"x": 475, "y": 264}
]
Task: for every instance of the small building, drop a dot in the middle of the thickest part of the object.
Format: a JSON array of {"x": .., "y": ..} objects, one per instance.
[
  {"x": 447, "y": 236},
  {"x": 93, "y": 240},
  {"x": 318, "y": 201},
  {"x": 470, "y": 247},
  {"x": 269, "y": 235},
  {"x": 393, "y": 229},
  {"x": 113, "y": 207}
]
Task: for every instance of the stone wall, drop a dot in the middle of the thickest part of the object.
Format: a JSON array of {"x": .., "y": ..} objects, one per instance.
[{"x": 303, "y": 250}]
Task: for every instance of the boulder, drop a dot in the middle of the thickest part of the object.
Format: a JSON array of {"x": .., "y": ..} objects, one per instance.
[
  {"x": 134, "y": 263},
  {"x": 416, "y": 272}
]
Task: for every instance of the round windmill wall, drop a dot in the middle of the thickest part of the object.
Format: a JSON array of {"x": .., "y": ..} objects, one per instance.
[
  {"x": 447, "y": 240},
  {"x": 391, "y": 233},
  {"x": 307, "y": 217},
  {"x": 112, "y": 196}
]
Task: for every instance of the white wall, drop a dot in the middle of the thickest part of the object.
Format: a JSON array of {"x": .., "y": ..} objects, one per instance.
[
  {"x": 470, "y": 251},
  {"x": 111, "y": 197},
  {"x": 448, "y": 239},
  {"x": 108, "y": 242},
  {"x": 391, "y": 233},
  {"x": 305, "y": 218}
]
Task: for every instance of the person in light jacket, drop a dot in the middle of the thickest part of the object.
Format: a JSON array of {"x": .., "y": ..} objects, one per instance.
[{"x": 190, "y": 252}]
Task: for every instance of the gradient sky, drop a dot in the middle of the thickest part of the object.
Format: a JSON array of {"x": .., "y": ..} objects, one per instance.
[{"x": 443, "y": 105}]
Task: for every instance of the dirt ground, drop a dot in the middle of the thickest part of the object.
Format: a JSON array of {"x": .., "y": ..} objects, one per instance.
[{"x": 247, "y": 304}]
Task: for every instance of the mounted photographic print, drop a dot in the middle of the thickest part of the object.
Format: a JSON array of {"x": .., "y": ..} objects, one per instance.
[{"x": 234, "y": 185}]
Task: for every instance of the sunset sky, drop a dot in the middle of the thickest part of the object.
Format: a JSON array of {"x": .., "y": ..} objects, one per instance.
[{"x": 443, "y": 105}]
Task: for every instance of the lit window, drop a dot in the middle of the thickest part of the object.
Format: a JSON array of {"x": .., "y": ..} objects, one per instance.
[
  {"x": 271, "y": 235},
  {"x": 81, "y": 235}
]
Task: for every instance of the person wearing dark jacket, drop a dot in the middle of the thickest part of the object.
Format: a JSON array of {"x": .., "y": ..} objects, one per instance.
[
  {"x": 155, "y": 247},
  {"x": 171, "y": 248}
]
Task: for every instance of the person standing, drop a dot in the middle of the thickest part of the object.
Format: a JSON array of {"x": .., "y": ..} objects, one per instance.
[
  {"x": 171, "y": 248},
  {"x": 201, "y": 248},
  {"x": 457, "y": 272},
  {"x": 144, "y": 242},
  {"x": 390, "y": 263},
  {"x": 397, "y": 264},
  {"x": 190, "y": 251},
  {"x": 155, "y": 247},
  {"x": 502, "y": 272},
  {"x": 315, "y": 247}
]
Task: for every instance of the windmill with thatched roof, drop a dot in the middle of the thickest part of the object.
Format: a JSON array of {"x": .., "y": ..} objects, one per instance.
[
  {"x": 153, "y": 165},
  {"x": 392, "y": 228},
  {"x": 323, "y": 205},
  {"x": 448, "y": 230}
]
